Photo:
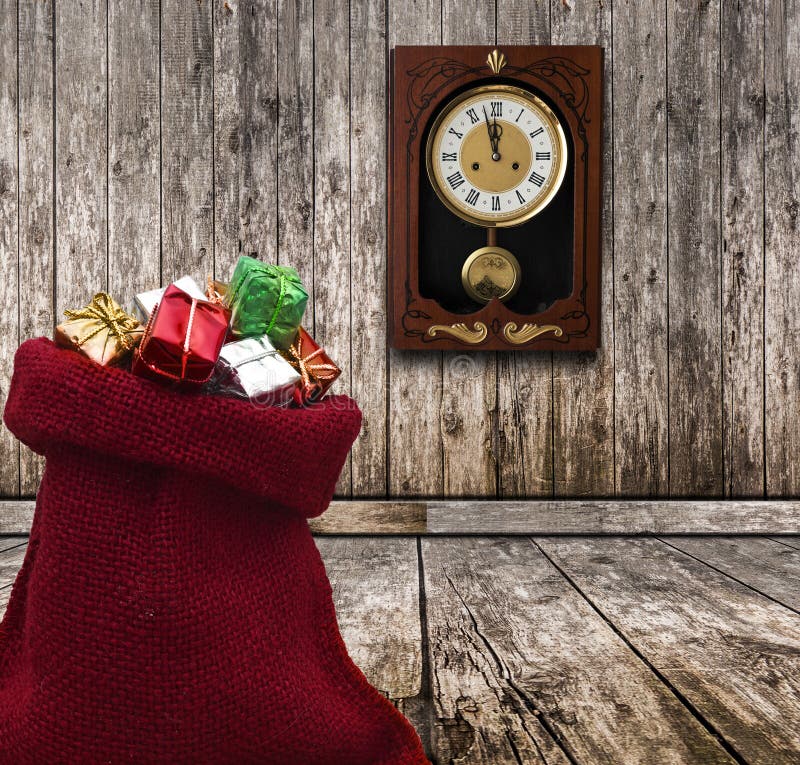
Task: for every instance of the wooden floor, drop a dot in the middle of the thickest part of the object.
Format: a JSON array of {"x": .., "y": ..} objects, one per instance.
[{"x": 574, "y": 649}]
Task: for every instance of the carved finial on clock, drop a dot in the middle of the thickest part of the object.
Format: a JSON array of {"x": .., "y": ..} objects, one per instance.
[{"x": 496, "y": 61}]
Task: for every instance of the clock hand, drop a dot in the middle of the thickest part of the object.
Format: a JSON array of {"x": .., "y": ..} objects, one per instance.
[{"x": 488, "y": 128}]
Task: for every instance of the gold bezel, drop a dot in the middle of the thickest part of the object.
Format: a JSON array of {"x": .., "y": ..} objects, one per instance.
[{"x": 554, "y": 124}]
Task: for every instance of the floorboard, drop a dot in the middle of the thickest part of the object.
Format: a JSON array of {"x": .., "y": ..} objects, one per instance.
[
  {"x": 768, "y": 567},
  {"x": 524, "y": 670},
  {"x": 375, "y": 585},
  {"x": 733, "y": 654},
  {"x": 10, "y": 561}
]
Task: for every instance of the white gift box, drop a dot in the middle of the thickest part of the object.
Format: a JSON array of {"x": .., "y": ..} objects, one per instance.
[
  {"x": 252, "y": 368},
  {"x": 145, "y": 302}
]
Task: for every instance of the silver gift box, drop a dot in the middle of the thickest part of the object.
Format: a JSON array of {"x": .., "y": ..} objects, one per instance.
[
  {"x": 252, "y": 368},
  {"x": 145, "y": 302}
]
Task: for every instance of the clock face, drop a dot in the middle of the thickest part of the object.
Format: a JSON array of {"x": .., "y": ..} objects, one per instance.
[{"x": 496, "y": 155}]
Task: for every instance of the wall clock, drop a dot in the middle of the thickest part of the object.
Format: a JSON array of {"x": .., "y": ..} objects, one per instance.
[{"x": 494, "y": 189}]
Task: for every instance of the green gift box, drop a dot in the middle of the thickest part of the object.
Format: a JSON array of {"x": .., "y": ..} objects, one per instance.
[{"x": 266, "y": 300}]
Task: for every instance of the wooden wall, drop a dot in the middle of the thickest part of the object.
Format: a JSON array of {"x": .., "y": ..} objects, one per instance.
[{"x": 142, "y": 140}]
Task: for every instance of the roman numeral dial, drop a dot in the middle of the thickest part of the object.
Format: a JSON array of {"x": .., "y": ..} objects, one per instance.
[{"x": 496, "y": 155}]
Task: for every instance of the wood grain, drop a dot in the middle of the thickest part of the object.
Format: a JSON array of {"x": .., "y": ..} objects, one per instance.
[
  {"x": 245, "y": 126},
  {"x": 376, "y": 591},
  {"x": 295, "y": 157},
  {"x": 695, "y": 375},
  {"x": 742, "y": 164},
  {"x": 9, "y": 233},
  {"x": 730, "y": 652},
  {"x": 583, "y": 383},
  {"x": 479, "y": 712},
  {"x": 769, "y": 567},
  {"x": 10, "y": 561},
  {"x": 134, "y": 138},
  {"x": 6, "y": 543},
  {"x": 558, "y": 517},
  {"x": 333, "y": 287},
  {"x": 36, "y": 195},
  {"x": 187, "y": 146},
  {"x": 363, "y": 517},
  {"x": 507, "y": 686},
  {"x": 468, "y": 418},
  {"x": 368, "y": 363},
  {"x": 524, "y": 442},
  {"x": 415, "y": 447},
  {"x": 639, "y": 146},
  {"x": 81, "y": 158},
  {"x": 782, "y": 240},
  {"x": 789, "y": 541},
  {"x": 613, "y": 517}
]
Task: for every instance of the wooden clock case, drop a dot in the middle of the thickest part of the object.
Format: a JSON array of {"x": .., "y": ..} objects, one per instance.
[{"x": 557, "y": 306}]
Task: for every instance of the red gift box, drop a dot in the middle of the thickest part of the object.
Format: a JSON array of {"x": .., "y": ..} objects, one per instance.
[
  {"x": 317, "y": 370},
  {"x": 182, "y": 340}
]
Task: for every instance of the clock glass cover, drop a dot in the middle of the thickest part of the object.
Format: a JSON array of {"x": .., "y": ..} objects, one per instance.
[{"x": 496, "y": 155}]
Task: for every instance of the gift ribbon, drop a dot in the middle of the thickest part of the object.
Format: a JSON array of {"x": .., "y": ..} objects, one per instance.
[
  {"x": 185, "y": 349},
  {"x": 256, "y": 357},
  {"x": 267, "y": 271},
  {"x": 321, "y": 372},
  {"x": 110, "y": 317}
]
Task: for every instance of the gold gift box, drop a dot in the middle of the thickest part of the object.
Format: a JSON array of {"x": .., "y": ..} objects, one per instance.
[{"x": 102, "y": 330}]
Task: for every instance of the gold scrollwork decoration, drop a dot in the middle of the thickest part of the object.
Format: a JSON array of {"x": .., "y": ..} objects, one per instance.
[
  {"x": 528, "y": 332},
  {"x": 496, "y": 61},
  {"x": 461, "y": 332}
]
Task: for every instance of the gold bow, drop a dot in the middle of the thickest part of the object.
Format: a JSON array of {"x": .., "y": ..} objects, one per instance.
[
  {"x": 308, "y": 372},
  {"x": 109, "y": 317}
]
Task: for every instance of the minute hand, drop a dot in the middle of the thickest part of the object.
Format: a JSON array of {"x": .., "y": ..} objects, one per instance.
[{"x": 489, "y": 130}]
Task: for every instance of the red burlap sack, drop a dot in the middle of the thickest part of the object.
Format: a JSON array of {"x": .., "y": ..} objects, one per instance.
[{"x": 172, "y": 606}]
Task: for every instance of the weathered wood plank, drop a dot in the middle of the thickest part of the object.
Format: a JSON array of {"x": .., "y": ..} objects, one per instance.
[
  {"x": 376, "y": 591},
  {"x": 695, "y": 374},
  {"x": 782, "y": 237},
  {"x": 769, "y": 567},
  {"x": 9, "y": 235},
  {"x": 368, "y": 62},
  {"x": 246, "y": 194},
  {"x": 733, "y": 654},
  {"x": 789, "y": 541},
  {"x": 468, "y": 417},
  {"x": 375, "y": 517},
  {"x": 583, "y": 383},
  {"x": 332, "y": 273},
  {"x": 415, "y": 379},
  {"x": 560, "y": 517},
  {"x": 134, "y": 135},
  {"x": 16, "y": 517},
  {"x": 503, "y": 672},
  {"x": 81, "y": 159},
  {"x": 295, "y": 159},
  {"x": 524, "y": 380},
  {"x": 479, "y": 712},
  {"x": 36, "y": 195},
  {"x": 187, "y": 146},
  {"x": 742, "y": 102},
  {"x": 639, "y": 147},
  {"x": 613, "y": 517},
  {"x": 6, "y": 543},
  {"x": 10, "y": 563}
]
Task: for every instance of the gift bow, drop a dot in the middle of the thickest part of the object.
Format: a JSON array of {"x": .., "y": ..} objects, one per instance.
[
  {"x": 267, "y": 270},
  {"x": 321, "y": 372},
  {"x": 111, "y": 318}
]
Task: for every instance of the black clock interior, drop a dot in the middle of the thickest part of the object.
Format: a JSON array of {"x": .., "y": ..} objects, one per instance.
[{"x": 543, "y": 246}]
